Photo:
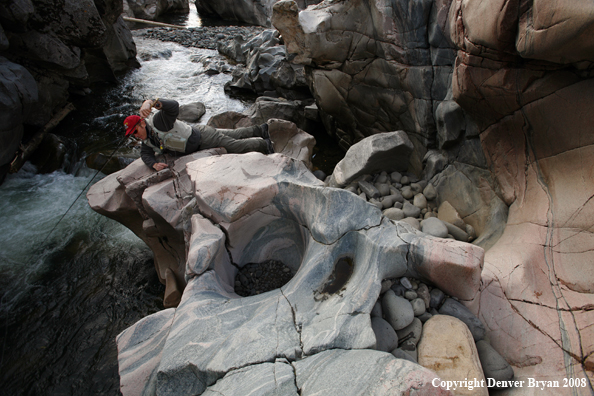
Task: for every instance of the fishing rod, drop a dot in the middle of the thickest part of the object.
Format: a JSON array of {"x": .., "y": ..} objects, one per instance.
[{"x": 85, "y": 187}]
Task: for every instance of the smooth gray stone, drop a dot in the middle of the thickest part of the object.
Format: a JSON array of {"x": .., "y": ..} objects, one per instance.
[
  {"x": 377, "y": 310},
  {"x": 434, "y": 226},
  {"x": 454, "y": 308},
  {"x": 410, "y": 295},
  {"x": 470, "y": 231},
  {"x": 394, "y": 214},
  {"x": 369, "y": 189},
  {"x": 386, "y": 285},
  {"x": 430, "y": 192},
  {"x": 398, "y": 205},
  {"x": 412, "y": 332},
  {"x": 410, "y": 210},
  {"x": 437, "y": 298},
  {"x": 383, "y": 188},
  {"x": 396, "y": 195},
  {"x": 404, "y": 281},
  {"x": 397, "y": 310},
  {"x": 456, "y": 232},
  {"x": 386, "y": 338},
  {"x": 387, "y": 202},
  {"x": 422, "y": 184},
  {"x": 398, "y": 289},
  {"x": 382, "y": 178},
  {"x": 396, "y": 177},
  {"x": 400, "y": 354},
  {"x": 425, "y": 317},
  {"x": 362, "y": 195},
  {"x": 494, "y": 365},
  {"x": 412, "y": 177},
  {"x": 429, "y": 215},
  {"x": 269, "y": 379},
  {"x": 411, "y": 348},
  {"x": 405, "y": 180},
  {"x": 416, "y": 188},
  {"x": 407, "y": 192},
  {"x": 320, "y": 174},
  {"x": 418, "y": 306},
  {"x": 420, "y": 201},
  {"x": 423, "y": 292}
]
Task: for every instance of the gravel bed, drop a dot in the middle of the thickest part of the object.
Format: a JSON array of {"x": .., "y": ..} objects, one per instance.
[
  {"x": 200, "y": 37},
  {"x": 257, "y": 278}
]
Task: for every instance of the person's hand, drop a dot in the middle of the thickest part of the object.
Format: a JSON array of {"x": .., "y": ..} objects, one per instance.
[
  {"x": 145, "y": 109},
  {"x": 159, "y": 166}
]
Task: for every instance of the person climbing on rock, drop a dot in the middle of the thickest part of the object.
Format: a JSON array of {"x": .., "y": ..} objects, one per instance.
[{"x": 161, "y": 132}]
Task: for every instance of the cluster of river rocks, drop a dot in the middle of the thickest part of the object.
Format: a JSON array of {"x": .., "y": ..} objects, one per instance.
[
  {"x": 201, "y": 37},
  {"x": 398, "y": 319},
  {"x": 406, "y": 198}
]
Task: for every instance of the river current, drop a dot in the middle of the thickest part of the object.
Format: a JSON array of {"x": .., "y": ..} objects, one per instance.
[{"x": 71, "y": 279}]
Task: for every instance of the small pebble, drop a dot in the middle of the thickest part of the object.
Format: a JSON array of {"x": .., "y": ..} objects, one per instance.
[
  {"x": 405, "y": 282},
  {"x": 410, "y": 295}
]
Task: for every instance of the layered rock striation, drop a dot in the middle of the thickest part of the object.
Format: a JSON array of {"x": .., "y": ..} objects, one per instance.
[{"x": 212, "y": 215}]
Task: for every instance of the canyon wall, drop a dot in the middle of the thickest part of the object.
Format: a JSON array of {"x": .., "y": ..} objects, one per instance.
[
  {"x": 501, "y": 91},
  {"x": 50, "y": 50}
]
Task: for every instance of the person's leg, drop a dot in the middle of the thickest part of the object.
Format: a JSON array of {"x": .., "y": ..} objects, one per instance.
[
  {"x": 212, "y": 137},
  {"x": 245, "y": 132}
]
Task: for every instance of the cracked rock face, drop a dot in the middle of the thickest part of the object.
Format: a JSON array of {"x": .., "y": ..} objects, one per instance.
[
  {"x": 376, "y": 66},
  {"x": 252, "y": 208},
  {"x": 537, "y": 294}
]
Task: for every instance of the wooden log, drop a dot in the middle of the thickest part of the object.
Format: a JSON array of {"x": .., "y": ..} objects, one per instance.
[
  {"x": 160, "y": 24},
  {"x": 24, "y": 152}
]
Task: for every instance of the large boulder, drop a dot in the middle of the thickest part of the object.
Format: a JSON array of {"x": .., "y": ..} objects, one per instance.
[
  {"x": 447, "y": 348},
  {"x": 382, "y": 152},
  {"x": 532, "y": 116},
  {"x": 251, "y": 208}
]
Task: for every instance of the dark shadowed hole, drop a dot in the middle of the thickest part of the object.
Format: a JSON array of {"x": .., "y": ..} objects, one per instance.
[
  {"x": 257, "y": 278},
  {"x": 343, "y": 269}
]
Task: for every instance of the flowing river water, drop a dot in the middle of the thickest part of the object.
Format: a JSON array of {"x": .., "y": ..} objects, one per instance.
[{"x": 69, "y": 286}]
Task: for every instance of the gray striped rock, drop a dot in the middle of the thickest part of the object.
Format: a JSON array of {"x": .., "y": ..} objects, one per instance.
[
  {"x": 250, "y": 208},
  {"x": 363, "y": 372}
]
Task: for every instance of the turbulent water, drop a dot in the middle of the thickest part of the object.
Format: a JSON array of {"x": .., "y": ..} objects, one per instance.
[{"x": 71, "y": 279}]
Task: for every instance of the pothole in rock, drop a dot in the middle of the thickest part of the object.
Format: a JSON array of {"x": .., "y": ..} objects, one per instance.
[{"x": 258, "y": 278}]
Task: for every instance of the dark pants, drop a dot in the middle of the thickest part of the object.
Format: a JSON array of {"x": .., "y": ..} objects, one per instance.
[{"x": 240, "y": 140}]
